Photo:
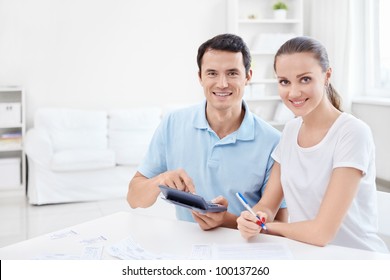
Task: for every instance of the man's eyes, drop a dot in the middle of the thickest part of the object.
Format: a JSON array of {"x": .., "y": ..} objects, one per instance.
[{"x": 230, "y": 74}]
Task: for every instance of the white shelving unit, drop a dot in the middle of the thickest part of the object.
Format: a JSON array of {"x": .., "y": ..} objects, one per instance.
[
  {"x": 12, "y": 132},
  {"x": 253, "y": 20}
]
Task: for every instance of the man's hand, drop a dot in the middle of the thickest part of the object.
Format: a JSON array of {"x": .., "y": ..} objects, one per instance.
[
  {"x": 177, "y": 179},
  {"x": 211, "y": 220}
]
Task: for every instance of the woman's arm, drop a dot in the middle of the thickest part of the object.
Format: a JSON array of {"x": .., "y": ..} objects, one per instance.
[
  {"x": 272, "y": 197},
  {"x": 268, "y": 206},
  {"x": 321, "y": 230}
]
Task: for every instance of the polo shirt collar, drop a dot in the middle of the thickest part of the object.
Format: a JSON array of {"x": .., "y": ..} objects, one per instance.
[{"x": 245, "y": 132}]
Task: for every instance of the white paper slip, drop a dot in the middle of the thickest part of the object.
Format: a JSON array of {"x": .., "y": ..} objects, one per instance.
[
  {"x": 92, "y": 253},
  {"x": 244, "y": 251},
  {"x": 62, "y": 234},
  {"x": 128, "y": 249},
  {"x": 202, "y": 252},
  {"x": 57, "y": 256},
  {"x": 93, "y": 240}
]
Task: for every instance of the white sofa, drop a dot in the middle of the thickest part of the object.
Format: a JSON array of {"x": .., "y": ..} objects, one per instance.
[{"x": 80, "y": 155}]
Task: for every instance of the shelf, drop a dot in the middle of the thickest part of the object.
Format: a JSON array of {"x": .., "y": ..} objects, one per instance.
[
  {"x": 10, "y": 88},
  {"x": 11, "y": 125},
  {"x": 274, "y": 123},
  {"x": 264, "y": 98},
  {"x": 265, "y": 81},
  {"x": 262, "y": 53},
  {"x": 254, "y": 21},
  {"x": 269, "y": 21},
  {"x": 12, "y": 112},
  {"x": 11, "y": 149}
]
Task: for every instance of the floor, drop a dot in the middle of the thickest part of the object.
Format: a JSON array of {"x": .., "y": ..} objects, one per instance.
[{"x": 21, "y": 221}]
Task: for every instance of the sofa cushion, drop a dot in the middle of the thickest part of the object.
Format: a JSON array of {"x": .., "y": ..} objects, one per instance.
[
  {"x": 71, "y": 129},
  {"x": 130, "y": 132},
  {"x": 77, "y": 160}
]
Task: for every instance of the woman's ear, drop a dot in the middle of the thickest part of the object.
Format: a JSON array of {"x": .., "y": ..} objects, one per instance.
[{"x": 328, "y": 74}]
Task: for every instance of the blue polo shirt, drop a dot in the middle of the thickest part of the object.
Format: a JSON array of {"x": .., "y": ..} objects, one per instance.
[{"x": 240, "y": 162}]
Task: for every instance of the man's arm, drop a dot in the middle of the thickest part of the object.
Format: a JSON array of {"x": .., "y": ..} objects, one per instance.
[{"x": 143, "y": 191}]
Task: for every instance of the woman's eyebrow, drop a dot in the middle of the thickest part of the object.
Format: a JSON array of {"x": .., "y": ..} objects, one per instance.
[{"x": 303, "y": 74}]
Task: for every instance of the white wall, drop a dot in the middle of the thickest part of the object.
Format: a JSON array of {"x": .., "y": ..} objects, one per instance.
[
  {"x": 97, "y": 54},
  {"x": 377, "y": 116}
]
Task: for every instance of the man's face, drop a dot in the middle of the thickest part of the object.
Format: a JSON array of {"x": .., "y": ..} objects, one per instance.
[{"x": 223, "y": 79}]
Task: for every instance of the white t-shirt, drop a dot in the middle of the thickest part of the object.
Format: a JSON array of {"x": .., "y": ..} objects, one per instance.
[{"x": 305, "y": 174}]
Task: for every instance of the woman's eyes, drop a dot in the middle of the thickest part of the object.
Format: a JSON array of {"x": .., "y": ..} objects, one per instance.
[
  {"x": 283, "y": 82},
  {"x": 303, "y": 80}
]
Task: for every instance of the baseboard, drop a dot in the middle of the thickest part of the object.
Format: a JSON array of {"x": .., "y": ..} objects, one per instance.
[
  {"x": 11, "y": 193},
  {"x": 382, "y": 185}
]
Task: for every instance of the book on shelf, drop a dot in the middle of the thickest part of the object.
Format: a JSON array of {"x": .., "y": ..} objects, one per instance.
[
  {"x": 10, "y": 140},
  {"x": 11, "y": 135}
]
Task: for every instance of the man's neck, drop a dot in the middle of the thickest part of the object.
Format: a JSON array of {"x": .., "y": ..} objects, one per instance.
[{"x": 225, "y": 122}]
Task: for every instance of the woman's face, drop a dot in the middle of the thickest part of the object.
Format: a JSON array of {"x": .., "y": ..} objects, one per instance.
[{"x": 301, "y": 82}]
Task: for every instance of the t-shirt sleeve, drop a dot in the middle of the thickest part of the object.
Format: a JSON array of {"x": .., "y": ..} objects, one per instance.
[
  {"x": 355, "y": 147},
  {"x": 154, "y": 162},
  {"x": 286, "y": 134},
  {"x": 276, "y": 153}
]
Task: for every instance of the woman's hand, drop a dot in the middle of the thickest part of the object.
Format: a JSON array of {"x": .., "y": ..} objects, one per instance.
[{"x": 248, "y": 225}]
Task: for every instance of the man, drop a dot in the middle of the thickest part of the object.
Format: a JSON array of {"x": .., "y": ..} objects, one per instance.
[{"x": 214, "y": 149}]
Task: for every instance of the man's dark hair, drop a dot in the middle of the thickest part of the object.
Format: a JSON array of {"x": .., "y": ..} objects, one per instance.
[{"x": 226, "y": 42}]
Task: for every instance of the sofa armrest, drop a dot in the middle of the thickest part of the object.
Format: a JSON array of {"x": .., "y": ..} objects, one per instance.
[{"x": 38, "y": 146}]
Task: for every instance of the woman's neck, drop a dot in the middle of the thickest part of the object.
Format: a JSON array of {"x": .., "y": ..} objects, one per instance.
[
  {"x": 316, "y": 125},
  {"x": 322, "y": 117}
]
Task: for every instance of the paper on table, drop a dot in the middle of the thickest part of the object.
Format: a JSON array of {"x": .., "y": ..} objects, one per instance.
[
  {"x": 246, "y": 251},
  {"x": 202, "y": 252},
  {"x": 57, "y": 256},
  {"x": 128, "y": 249},
  {"x": 93, "y": 240},
  {"x": 92, "y": 253},
  {"x": 88, "y": 253},
  {"x": 62, "y": 234}
]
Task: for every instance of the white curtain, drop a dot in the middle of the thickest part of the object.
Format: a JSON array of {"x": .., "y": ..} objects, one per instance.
[{"x": 345, "y": 28}]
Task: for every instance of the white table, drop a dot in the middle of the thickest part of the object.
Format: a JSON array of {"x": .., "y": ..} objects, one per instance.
[{"x": 166, "y": 236}]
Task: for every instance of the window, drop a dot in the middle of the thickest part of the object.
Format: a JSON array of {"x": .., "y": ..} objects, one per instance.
[
  {"x": 377, "y": 49},
  {"x": 384, "y": 46}
]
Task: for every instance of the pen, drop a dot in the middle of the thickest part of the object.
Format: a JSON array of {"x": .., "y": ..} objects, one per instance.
[{"x": 243, "y": 201}]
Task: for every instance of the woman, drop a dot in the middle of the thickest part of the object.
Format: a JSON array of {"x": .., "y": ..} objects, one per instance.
[{"x": 324, "y": 164}]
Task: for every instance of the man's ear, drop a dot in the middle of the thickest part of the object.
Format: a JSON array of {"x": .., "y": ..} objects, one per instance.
[
  {"x": 200, "y": 77},
  {"x": 248, "y": 76}
]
